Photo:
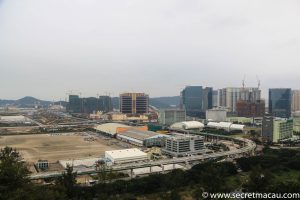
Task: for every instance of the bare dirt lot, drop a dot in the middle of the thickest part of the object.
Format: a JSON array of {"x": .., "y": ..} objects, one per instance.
[{"x": 53, "y": 148}]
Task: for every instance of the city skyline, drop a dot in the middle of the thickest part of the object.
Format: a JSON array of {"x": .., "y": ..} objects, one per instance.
[{"x": 153, "y": 47}]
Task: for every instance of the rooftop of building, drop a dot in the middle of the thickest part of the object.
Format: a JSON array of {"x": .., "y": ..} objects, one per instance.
[
  {"x": 88, "y": 162},
  {"x": 125, "y": 153},
  {"x": 187, "y": 125},
  {"x": 140, "y": 135},
  {"x": 180, "y": 136},
  {"x": 12, "y": 118},
  {"x": 110, "y": 128}
]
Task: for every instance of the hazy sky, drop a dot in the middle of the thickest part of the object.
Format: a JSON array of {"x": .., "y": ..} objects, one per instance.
[{"x": 48, "y": 47}]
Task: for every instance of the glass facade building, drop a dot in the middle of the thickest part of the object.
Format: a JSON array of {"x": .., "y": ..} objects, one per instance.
[
  {"x": 196, "y": 100},
  {"x": 280, "y": 102}
]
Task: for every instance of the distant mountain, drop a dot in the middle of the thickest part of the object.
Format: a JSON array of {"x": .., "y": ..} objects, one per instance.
[
  {"x": 158, "y": 102},
  {"x": 31, "y": 101},
  {"x": 165, "y": 102},
  {"x": 25, "y": 102},
  {"x": 4, "y": 102}
]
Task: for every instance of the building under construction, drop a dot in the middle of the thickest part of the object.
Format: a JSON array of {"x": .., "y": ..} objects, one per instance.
[
  {"x": 250, "y": 109},
  {"x": 89, "y": 105}
]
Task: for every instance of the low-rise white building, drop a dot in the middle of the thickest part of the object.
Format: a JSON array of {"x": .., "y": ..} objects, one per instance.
[
  {"x": 216, "y": 115},
  {"x": 227, "y": 126},
  {"x": 187, "y": 125},
  {"x": 126, "y": 156}
]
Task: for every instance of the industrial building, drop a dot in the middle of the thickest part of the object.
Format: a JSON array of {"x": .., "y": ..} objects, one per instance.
[
  {"x": 142, "y": 138},
  {"x": 280, "y": 100},
  {"x": 111, "y": 129},
  {"x": 126, "y": 156},
  {"x": 134, "y": 103},
  {"x": 19, "y": 119},
  {"x": 187, "y": 125},
  {"x": 171, "y": 116},
  {"x": 216, "y": 115},
  {"x": 113, "y": 116},
  {"x": 276, "y": 129},
  {"x": 226, "y": 126},
  {"x": 183, "y": 145}
]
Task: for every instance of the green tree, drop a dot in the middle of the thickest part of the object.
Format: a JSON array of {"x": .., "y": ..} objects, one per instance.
[
  {"x": 13, "y": 173},
  {"x": 259, "y": 180},
  {"x": 68, "y": 181},
  {"x": 101, "y": 168}
]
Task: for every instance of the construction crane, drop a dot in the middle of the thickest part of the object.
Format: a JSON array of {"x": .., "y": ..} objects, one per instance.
[
  {"x": 258, "y": 81},
  {"x": 243, "y": 81}
]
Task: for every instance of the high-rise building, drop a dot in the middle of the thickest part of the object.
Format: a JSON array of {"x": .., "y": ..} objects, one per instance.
[
  {"x": 134, "y": 103},
  {"x": 296, "y": 100},
  {"x": 171, "y": 116},
  {"x": 228, "y": 97},
  {"x": 250, "y": 109},
  {"x": 74, "y": 104},
  {"x": 276, "y": 129},
  {"x": 105, "y": 104},
  {"x": 207, "y": 98},
  {"x": 196, "y": 100},
  {"x": 89, "y": 105},
  {"x": 215, "y": 98},
  {"x": 280, "y": 100},
  {"x": 296, "y": 121}
]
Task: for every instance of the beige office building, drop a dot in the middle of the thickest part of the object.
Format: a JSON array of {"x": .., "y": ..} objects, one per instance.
[{"x": 296, "y": 101}]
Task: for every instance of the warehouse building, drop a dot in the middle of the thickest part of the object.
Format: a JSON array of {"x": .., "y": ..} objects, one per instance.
[
  {"x": 226, "y": 126},
  {"x": 126, "y": 156},
  {"x": 111, "y": 129},
  {"x": 183, "y": 145},
  {"x": 19, "y": 119},
  {"x": 188, "y": 125},
  {"x": 142, "y": 138}
]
